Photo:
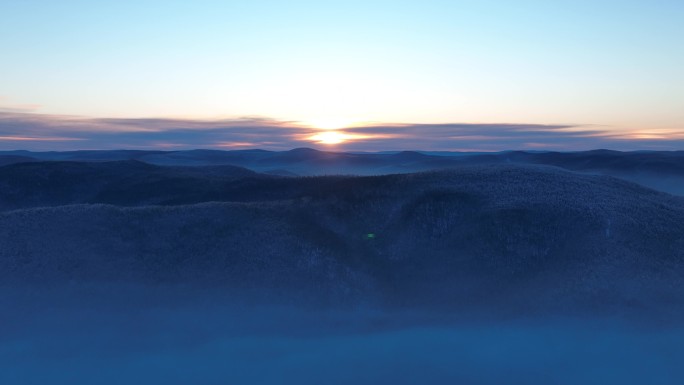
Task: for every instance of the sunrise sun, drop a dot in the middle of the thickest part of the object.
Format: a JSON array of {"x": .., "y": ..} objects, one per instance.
[{"x": 330, "y": 137}]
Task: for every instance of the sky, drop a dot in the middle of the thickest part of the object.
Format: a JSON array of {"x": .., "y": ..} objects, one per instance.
[{"x": 350, "y": 75}]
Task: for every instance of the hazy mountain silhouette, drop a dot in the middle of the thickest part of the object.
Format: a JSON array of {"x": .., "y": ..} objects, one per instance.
[{"x": 661, "y": 170}]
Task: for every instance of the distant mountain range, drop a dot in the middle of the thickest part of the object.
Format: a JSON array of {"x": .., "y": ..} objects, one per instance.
[
  {"x": 511, "y": 236},
  {"x": 660, "y": 170}
]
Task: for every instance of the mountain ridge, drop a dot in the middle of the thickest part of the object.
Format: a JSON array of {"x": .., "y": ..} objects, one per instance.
[{"x": 661, "y": 170}]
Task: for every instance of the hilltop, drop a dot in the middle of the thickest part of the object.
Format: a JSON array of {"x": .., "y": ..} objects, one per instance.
[{"x": 505, "y": 237}]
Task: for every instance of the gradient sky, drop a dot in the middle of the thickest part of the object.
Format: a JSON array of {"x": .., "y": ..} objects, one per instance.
[{"x": 607, "y": 69}]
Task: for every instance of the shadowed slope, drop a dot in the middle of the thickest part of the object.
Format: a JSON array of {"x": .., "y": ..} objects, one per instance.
[{"x": 123, "y": 182}]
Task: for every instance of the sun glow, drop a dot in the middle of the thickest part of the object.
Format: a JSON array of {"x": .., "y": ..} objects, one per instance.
[
  {"x": 330, "y": 133},
  {"x": 330, "y": 137}
]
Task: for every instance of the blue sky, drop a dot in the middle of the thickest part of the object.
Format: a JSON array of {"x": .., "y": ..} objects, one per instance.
[{"x": 617, "y": 65}]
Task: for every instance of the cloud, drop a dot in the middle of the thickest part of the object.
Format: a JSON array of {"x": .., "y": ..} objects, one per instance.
[
  {"x": 32, "y": 131},
  {"x": 36, "y": 139},
  {"x": 8, "y": 106}
]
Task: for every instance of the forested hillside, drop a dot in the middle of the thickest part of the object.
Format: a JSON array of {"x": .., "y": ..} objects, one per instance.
[{"x": 499, "y": 237}]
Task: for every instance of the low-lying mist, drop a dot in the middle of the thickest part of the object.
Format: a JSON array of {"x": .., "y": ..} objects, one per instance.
[{"x": 167, "y": 335}]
